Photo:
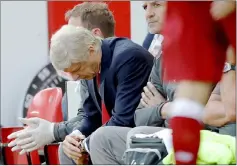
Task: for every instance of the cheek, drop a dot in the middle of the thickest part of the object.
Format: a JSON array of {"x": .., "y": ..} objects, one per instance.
[
  {"x": 94, "y": 67},
  {"x": 162, "y": 14},
  {"x": 146, "y": 17}
]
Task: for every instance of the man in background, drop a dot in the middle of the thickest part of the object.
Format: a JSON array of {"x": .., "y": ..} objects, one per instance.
[{"x": 108, "y": 144}]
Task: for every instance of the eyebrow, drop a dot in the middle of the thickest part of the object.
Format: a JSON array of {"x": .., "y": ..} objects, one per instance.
[
  {"x": 153, "y": 3},
  {"x": 156, "y": 2}
]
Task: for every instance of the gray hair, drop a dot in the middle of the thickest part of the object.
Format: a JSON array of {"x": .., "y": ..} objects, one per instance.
[{"x": 70, "y": 44}]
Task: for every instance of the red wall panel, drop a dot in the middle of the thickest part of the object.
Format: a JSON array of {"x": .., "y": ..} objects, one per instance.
[{"x": 121, "y": 11}]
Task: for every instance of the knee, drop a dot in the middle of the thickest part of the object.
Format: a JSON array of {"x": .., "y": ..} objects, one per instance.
[
  {"x": 99, "y": 138},
  {"x": 137, "y": 130},
  {"x": 63, "y": 158}
]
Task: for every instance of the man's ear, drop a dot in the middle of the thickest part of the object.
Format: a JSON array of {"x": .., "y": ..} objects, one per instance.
[
  {"x": 97, "y": 32},
  {"x": 91, "y": 50}
]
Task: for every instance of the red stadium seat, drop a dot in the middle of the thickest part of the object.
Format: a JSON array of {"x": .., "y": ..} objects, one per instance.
[
  {"x": 46, "y": 104},
  {"x": 51, "y": 154}
]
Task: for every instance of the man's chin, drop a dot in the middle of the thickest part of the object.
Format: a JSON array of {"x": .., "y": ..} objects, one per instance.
[{"x": 154, "y": 29}]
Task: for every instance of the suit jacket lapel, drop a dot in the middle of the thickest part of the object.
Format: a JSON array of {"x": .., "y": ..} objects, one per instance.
[
  {"x": 107, "y": 54},
  {"x": 108, "y": 47}
]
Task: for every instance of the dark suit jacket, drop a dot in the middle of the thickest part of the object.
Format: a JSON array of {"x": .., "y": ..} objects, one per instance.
[{"x": 125, "y": 68}]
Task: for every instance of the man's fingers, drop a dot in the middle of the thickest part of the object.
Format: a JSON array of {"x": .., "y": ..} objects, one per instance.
[
  {"x": 70, "y": 151},
  {"x": 72, "y": 140},
  {"x": 22, "y": 152},
  {"x": 28, "y": 146},
  {"x": 143, "y": 103},
  {"x": 12, "y": 143},
  {"x": 14, "y": 135},
  {"x": 31, "y": 149},
  {"x": 24, "y": 134},
  {"x": 72, "y": 154},
  {"x": 21, "y": 142},
  {"x": 20, "y": 135},
  {"x": 15, "y": 148},
  {"x": 144, "y": 97},
  {"x": 148, "y": 93},
  {"x": 152, "y": 88},
  {"x": 71, "y": 146}
]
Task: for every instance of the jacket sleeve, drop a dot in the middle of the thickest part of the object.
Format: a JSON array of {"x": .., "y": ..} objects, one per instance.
[
  {"x": 61, "y": 130},
  {"x": 155, "y": 79},
  {"x": 132, "y": 77},
  {"x": 148, "y": 117},
  {"x": 92, "y": 118},
  {"x": 83, "y": 90}
]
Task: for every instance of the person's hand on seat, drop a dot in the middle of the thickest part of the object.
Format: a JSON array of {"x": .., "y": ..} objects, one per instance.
[
  {"x": 38, "y": 133},
  {"x": 151, "y": 97}
]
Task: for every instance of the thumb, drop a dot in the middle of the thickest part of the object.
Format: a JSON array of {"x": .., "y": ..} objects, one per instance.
[{"x": 29, "y": 121}]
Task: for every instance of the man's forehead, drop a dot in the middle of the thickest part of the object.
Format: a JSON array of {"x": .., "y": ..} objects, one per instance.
[{"x": 157, "y": 2}]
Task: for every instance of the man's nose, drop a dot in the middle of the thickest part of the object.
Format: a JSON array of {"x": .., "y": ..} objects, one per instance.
[{"x": 149, "y": 13}]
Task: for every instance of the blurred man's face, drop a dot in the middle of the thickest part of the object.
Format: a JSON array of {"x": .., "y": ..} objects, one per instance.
[
  {"x": 86, "y": 69},
  {"x": 155, "y": 13}
]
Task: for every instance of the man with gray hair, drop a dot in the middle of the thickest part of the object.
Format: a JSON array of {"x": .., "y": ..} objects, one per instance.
[
  {"x": 97, "y": 18},
  {"x": 116, "y": 70}
]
